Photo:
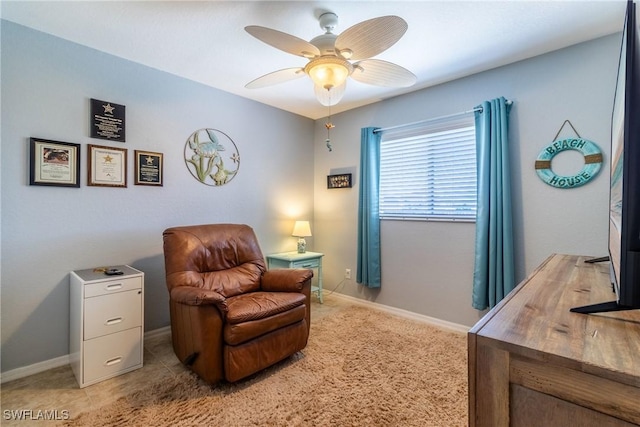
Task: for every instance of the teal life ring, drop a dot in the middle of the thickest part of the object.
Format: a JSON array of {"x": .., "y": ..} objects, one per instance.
[{"x": 592, "y": 162}]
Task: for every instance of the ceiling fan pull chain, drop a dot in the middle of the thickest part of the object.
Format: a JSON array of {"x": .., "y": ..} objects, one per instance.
[{"x": 329, "y": 126}]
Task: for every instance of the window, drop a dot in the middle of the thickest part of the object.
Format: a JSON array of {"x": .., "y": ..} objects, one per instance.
[{"x": 429, "y": 172}]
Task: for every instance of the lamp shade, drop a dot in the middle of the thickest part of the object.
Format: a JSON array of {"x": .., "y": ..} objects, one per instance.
[{"x": 301, "y": 229}]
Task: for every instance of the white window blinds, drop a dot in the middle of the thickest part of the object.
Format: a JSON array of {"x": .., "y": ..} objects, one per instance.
[{"x": 429, "y": 172}]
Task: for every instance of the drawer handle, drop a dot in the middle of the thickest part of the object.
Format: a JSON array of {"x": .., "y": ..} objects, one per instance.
[
  {"x": 307, "y": 265},
  {"x": 113, "y": 361},
  {"x": 114, "y": 287},
  {"x": 113, "y": 321}
]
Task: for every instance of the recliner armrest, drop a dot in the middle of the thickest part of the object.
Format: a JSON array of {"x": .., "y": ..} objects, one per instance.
[
  {"x": 285, "y": 279},
  {"x": 190, "y": 295}
]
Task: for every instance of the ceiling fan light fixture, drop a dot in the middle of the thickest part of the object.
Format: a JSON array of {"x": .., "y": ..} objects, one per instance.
[
  {"x": 329, "y": 97},
  {"x": 328, "y": 71}
]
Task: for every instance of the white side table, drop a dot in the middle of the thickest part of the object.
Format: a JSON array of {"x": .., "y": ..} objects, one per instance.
[
  {"x": 299, "y": 260},
  {"x": 106, "y": 323}
]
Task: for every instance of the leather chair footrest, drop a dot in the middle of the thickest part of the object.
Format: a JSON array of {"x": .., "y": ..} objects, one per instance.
[{"x": 245, "y": 359}]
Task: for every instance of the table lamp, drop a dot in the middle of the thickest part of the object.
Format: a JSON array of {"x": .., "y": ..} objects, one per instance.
[{"x": 301, "y": 230}]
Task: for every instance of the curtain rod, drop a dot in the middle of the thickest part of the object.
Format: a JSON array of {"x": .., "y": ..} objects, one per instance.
[{"x": 433, "y": 119}]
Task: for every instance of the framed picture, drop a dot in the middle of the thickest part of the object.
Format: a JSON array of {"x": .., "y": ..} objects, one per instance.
[
  {"x": 339, "y": 181},
  {"x": 54, "y": 163},
  {"x": 148, "y": 168},
  {"x": 107, "y": 166}
]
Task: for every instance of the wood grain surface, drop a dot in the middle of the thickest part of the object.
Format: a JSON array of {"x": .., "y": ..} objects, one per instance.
[{"x": 531, "y": 340}]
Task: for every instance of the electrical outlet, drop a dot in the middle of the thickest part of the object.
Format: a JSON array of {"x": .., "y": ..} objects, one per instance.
[{"x": 347, "y": 273}]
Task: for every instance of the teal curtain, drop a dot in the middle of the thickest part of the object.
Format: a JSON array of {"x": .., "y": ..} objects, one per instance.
[
  {"x": 368, "y": 262},
  {"x": 493, "y": 276}
]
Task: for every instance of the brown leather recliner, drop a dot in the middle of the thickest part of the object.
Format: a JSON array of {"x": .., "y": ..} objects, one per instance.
[{"x": 230, "y": 317}]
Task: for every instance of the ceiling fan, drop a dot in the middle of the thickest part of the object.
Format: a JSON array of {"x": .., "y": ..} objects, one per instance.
[{"x": 331, "y": 56}]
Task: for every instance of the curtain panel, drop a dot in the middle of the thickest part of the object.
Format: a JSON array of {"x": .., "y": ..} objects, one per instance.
[
  {"x": 368, "y": 262},
  {"x": 493, "y": 276}
]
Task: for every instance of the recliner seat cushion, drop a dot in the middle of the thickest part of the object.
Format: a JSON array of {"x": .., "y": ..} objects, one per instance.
[
  {"x": 254, "y": 314},
  {"x": 258, "y": 305}
]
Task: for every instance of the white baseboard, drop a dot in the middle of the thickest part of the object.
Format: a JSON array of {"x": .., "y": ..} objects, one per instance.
[
  {"x": 157, "y": 332},
  {"x": 455, "y": 327},
  {"x": 36, "y": 368},
  {"x": 25, "y": 371}
]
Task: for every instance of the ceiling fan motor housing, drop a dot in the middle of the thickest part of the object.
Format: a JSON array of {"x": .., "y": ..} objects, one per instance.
[{"x": 326, "y": 43}]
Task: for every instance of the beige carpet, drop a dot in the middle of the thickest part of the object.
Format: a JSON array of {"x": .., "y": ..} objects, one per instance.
[{"x": 362, "y": 367}]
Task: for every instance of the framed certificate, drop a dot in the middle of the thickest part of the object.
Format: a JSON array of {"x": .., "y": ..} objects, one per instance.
[
  {"x": 54, "y": 163},
  {"x": 148, "y": 168},
  {"x": 107, "y": 166}
]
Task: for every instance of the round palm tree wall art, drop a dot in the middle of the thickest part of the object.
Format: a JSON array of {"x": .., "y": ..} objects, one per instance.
[{"x": 211, "y": 157}]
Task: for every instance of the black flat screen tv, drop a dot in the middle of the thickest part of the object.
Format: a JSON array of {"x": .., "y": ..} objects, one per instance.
[{"x": 624, "y": 195}]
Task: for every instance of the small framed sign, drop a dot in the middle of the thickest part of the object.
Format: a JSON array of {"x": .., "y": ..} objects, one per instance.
[
  {"x": 339, "y": 181},
  {"x": 148, "y": 168},
  {"x": 54, "y": 163},
  {"x": 107, "y": 166},
  {"x": 107, "y": 120}
]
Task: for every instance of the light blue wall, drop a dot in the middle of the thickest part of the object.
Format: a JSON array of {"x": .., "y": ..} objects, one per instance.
[
  {"x": 427, "y": 267},
  {"x": 48, "y": 231}
]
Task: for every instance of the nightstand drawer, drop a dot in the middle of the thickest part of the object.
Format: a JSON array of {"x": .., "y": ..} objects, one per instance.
[
  {"x": 112, "y": 313},
  {"x": 306, "y": 263},
  {"x": 112, "y": 286},
  {"x": 108, "y": 355}
]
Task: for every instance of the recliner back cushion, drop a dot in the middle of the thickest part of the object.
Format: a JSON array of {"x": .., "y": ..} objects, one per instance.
[
  {"x": 225, "y": 258},
  {"x": 234, "y": 281}
]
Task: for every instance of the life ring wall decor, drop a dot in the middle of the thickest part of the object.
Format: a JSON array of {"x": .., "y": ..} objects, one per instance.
[
  {"x": 592, "y": 162},
  {"x": 205, "y": 153}
]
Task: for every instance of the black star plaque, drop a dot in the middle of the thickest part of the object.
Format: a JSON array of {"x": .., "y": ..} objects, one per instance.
[{"x": 107, "y": 120}]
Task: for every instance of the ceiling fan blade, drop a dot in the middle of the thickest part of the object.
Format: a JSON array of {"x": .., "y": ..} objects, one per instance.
[
  {"x": 382, "y": 73},
  {"x": 372, "y": 37},
  {"x": 276, "y": 77},
  {"x": 283, "y": 41}
]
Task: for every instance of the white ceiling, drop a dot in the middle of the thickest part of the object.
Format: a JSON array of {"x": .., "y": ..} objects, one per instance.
[{"x": 205, "y": 41}]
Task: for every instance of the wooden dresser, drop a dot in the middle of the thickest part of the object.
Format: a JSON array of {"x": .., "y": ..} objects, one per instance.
[{"x": 534, "y": 363}]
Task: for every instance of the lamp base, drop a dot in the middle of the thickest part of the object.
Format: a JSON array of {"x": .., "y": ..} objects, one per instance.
[{"x": 302, "y": 245}]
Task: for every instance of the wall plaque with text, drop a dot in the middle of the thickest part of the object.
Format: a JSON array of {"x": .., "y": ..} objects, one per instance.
[
  {"x": 148, "y": 168},
  {"x": 107, "y": 120}
]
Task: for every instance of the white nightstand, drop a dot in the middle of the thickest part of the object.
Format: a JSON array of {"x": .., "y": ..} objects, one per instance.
[
  {"x": 299, "y": 260},
  {"x": 106, "y": 323}
]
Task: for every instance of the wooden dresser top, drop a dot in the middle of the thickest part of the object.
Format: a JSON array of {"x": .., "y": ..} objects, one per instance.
[{"x": 534, "y": 320}]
